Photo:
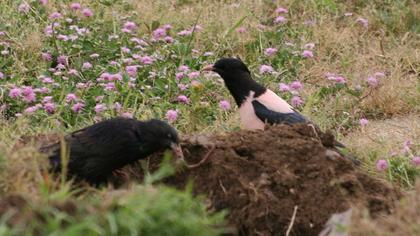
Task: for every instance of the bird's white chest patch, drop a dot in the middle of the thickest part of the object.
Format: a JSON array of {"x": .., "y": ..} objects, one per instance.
[
  {"x": 249, "y": 120},
  {"x": 273, "y": 102}
]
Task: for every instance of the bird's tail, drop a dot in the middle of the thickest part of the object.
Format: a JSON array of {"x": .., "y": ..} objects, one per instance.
[{"x": 338, "y": 144}]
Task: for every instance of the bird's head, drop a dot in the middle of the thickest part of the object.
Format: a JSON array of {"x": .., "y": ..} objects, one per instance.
[
  {"x": 237, "y": 78},
  {"x": 229, "y": 68},
  {"x": 160, "y": 135}
]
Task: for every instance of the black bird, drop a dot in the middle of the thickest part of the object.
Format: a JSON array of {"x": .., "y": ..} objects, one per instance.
[
  {"x": 257, "y": 105},
  {"x": 96, "y": 151}
]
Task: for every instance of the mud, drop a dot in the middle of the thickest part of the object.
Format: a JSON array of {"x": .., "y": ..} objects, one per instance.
[
  {"x": 263, "y": 177},
  {"x": 260, "y": 177}
]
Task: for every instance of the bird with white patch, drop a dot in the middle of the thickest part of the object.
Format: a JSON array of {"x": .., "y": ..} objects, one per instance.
[{"x": 257, "y": 104}]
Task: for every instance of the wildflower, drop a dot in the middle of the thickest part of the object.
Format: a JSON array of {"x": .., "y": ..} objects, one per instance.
[
  {"x": 28, "y": 94},
  {"x": 364, "y": 22},
  {"x": 131, "y": 71},
  {"x": 99, "y": 108},
  {"x": 406, "y": 146},
  {"x": 307, "y": 54},
  {"x": 55, "y": 15},
  {"x": 281, "y": 10},
  {"x": 167, "y": 26},
  {"x": 183, "y": 99},
  {"x": 416, "y": 161},
  {"x": 104, "y": 77},
  {"x": 207, "y": 54},
  {"x": 15, "y": 92},
  {"x": 146, "y": 60},
  {"x": 72, "y": 72},
  {"x": 47, "y": 80},
  {"x": 296, "y": 101},
  {"x": 86, "y": 66},
  {"x": 43, "y": 2},
  {"x": 110, "y": 86},
  {"x": 94, "y": 55},
  {"x": 44, "y": 90},
  {"x": 379, "y": 74},
  {"x": 381, "y": 165},
  {"x": 127, "y": 115},
  {"x": 309, "y": 46},
  {"x": 339, "y": 80},
  {"x": 184, "y": 32},
  {"x": 290, "y": 44},
  {"x": 49, "y": 107},
  {"x": 197, "y": 84},
  {"x": 241, "y": 30},
  {"x": 99, "y": 98},
  {"x": 127, "y": 61},
  {"x": 116, "y": 77},
  {"x": 296, "y": 85},
  {"x": 159, "y": 33},
  {"x": 224, "y": 105},
  {"x": 117, "y": 107},
  {"x": 73, "y": 37},
  {"x": 31, "y": 109},
  {"x": 363, "y": 122},
  {"x": 182, "y": 87},
  {"x": 372, "y": 82},
  {"x": 75, "y": 6},
  {"x": 129, "y": 26},
  {"x": 284, "y": 87},
  {"x": 77, "y": 107},
  {"x": 270, "y": 51},
  {"x": 168, "y": 39},
  {"x": 87, "y": 12},
  {"x": 125, "y": 50},
  {"x": 194, "y": 74},
  {"x": 280, "y": 20},
  {"x": 171, "y": 115},
  {"x": 183, "y": 68},
  {"x": 348, "y": 14},
  {"x": 62, "y": 37},
  {"x": 24, "y": 8},
  {"x": 138, "y": 41},
  {"x": 1, "y": 75},
  {"x": 62, "y": 60},
  {"x": 48, "y": 31},
  {"x": 179, "y": 75},
  {"x": 71, "y": 97},
  {"x": 47, "y": 99},
  {"x": 266, "y": 69}
]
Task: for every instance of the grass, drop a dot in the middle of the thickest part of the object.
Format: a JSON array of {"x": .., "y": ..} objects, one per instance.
[{"x": 343, "y": 47}]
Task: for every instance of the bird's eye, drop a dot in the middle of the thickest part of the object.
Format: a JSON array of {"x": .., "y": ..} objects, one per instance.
[{"x": 169, "y": 135}]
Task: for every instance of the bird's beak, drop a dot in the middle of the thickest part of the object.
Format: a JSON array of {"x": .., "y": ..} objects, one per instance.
[
  {"x": 177, "y": 150},
  {"x": 208, "y": 68}
]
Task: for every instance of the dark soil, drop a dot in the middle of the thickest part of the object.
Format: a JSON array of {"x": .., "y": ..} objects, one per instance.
[{"x": 261, "y": 176}]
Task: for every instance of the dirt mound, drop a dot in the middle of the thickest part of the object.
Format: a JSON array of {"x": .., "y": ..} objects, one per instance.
[
  {"x": 265, "y": 177},
  {"x": 262, "y": 177}
]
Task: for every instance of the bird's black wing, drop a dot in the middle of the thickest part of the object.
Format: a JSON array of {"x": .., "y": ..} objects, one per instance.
[
  {"x": 273, "y": 117},
  {"x": 97, "y": 150}
]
